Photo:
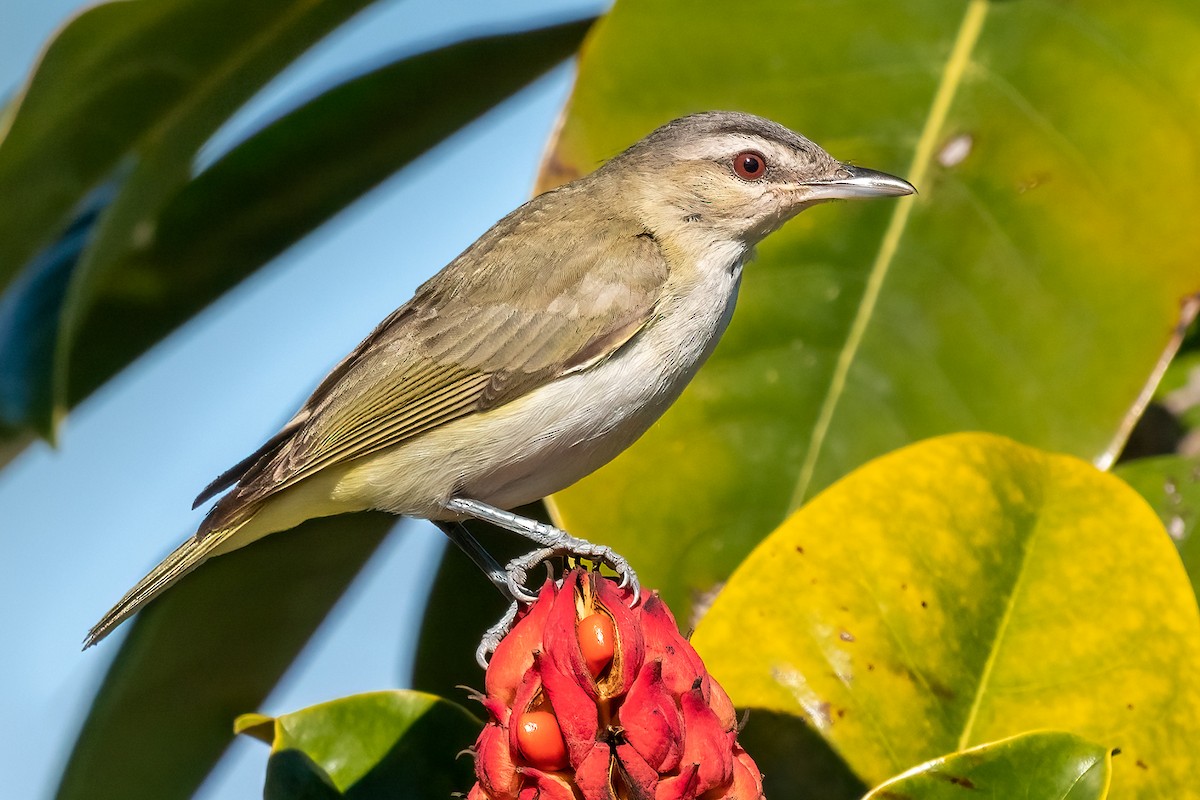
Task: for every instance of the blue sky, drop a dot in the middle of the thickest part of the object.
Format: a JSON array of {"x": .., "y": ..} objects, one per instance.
[{"x": 72, "y": 540}]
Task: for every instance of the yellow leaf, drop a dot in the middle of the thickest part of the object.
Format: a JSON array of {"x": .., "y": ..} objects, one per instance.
[{"x": 963, "y": 590}]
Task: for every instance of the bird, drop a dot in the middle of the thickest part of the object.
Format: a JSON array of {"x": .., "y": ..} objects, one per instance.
[{"x": 536, "y": 356}]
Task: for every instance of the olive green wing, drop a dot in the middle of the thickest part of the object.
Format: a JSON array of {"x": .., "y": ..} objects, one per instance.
[{"x": 477, "y": 335}]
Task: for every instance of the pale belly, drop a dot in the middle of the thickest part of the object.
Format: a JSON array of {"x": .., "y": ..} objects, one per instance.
[{"x": 547, "y": 440}]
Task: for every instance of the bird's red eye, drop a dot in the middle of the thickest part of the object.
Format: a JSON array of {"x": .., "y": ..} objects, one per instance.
[{"x": 749, "y": 165}]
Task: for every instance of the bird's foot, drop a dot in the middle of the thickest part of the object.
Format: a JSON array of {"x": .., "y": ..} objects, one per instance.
[
  {"x": 554, "y": 542},
  {"x": 518, "y": 572},
  {"x": 567, "y": 545},
  {"x": 491, "y": 639}
]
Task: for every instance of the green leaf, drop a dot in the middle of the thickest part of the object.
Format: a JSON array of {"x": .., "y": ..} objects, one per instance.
[
  {"x": 292, "y": 177},
  {"x": 28, "y": 310},
  {"x": 133, "y": 89},
  {"x": 1171, "y": 484},
  {"x": 1033, "y": 766},
  {"x": 382, "y": 744},
  {"x": 1028, "y": 290},
  {"x": 292, "y": 775},
  {"x": 197, "y": 238},
  {"x": 213, "y": 646},
  {"x": 963, "y": 590}
]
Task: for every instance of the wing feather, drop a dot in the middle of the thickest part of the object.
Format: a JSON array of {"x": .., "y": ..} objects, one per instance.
[{"x": 475, "y": 336}]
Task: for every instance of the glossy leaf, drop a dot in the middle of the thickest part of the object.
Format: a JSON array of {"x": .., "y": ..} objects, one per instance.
[
  {"x": 129, "y": 291},
  {"x": 1033, "y": 766},
  {"x": 133, "y": 89},
  {"x": 213, "y": 646},
  {"x": 1171, "y": 485},
  {"x": 963, "y": 590},
  {"x": 1028, "y": 290},
  {"x": 293, "y": 176},
  {"x": 377, "y": 745}
]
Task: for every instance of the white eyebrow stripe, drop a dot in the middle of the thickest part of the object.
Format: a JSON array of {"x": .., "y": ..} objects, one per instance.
[{"x": 716, "y": 147}]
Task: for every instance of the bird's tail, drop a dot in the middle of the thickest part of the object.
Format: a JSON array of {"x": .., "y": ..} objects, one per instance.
[{"x": 189, "y": 555}]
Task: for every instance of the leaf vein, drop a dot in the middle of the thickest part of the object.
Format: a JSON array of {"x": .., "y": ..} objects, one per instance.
[{"x": 952, "y": 76}]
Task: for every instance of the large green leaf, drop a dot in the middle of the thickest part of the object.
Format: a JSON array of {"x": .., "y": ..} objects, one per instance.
[
  {"x": 963, "y": 590},
  {"x": 207, "y": 234},
  {"x": 378, "y": 745},
  {"x": 293, "y": 176},
  {"x": 132, "y": 88},
  {"x": 207, "y": 650},
  {"x": 1033, "y": 766},
  {"x": 1028, "y": 290}
]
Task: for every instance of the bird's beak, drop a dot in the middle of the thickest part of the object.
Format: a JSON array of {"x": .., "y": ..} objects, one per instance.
[{"x": 853, "y": 182}]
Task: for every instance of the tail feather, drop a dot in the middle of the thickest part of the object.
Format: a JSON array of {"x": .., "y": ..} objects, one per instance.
[{"x": 185, "y": 558}]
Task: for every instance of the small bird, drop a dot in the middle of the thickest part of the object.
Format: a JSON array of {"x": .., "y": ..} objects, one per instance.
[{"x": 534, "y": 357}]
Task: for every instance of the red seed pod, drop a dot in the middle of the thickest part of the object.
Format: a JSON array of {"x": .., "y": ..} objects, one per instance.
[
  {"x": 544, "y": 786},
  {"x": 597, "y": 641},
  {"x": 540, "y": 740},
  {"x": 592, "y": 698},
  {"x": 652, "y": 721},
  {"x": 494, "y": 764},
  {"x": 514, "y": 655}
]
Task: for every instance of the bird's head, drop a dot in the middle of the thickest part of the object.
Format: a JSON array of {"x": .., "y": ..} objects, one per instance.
[{"x": 733, "y": 177}]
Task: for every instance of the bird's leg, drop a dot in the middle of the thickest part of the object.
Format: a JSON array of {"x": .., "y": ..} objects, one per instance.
[
  {"x": 458, "y": 533},
  {"x": 553, "y": 542}
]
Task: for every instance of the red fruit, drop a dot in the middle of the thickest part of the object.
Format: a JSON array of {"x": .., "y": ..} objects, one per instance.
[
  {"x": 616, "y": 705},
  {"x": 574, "y": 709},
  {"x": 540, "y": 740},
  {"x": 597, "y": 641}
]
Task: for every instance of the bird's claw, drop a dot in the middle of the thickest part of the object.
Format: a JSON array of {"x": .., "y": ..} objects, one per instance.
[
  {"x": 554, "y": 543},
  {"x": 517, "y": 575},
  {"x": 518, "y": 569},
  {"x": 491, "y": 639}
]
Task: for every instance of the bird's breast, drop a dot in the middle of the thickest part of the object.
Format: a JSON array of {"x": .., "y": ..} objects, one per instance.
[{"x": 551, "y": 437}]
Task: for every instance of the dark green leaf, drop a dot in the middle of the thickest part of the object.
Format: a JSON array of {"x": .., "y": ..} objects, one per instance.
[
  {"x": 288, "y": 179},
  {"x": 378, "y": 745},
  {"x": 212, "y": 647},
  {"x": 27, "y": 310},
  {"x": 137, "y": 82},
  {"x": 165, "y": 247},
  {"x": 292, "y": 775},
  {"x": 791, "y": 754},
  {"x": 128, "y": 90}
]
